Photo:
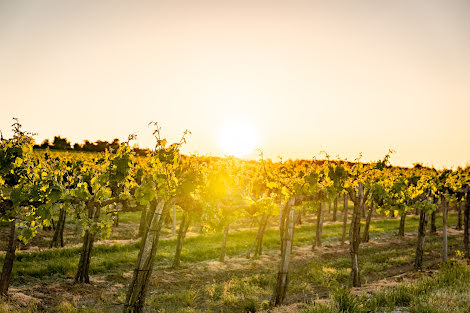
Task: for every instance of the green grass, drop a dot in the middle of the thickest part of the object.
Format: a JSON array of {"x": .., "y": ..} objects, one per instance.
[
  {"x": 118, "y": 258},
  {"x": 446, "y": 291},
  {"x": 246, "y": 289},
  {"x": 311, "y": 277},
  {"x": 129, "y": 217}
]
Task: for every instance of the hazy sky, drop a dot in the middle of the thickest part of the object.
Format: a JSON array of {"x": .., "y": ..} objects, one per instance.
[{"x": 341, "y": 76}]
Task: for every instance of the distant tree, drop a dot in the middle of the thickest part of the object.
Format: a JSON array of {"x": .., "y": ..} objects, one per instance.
[
  {"x": 45, "y": 144},
  {"x": 77, "y": 147},
  {"x": 140, "y": 151},
  {"x": 88, "y": 146},
  {"x": 101, "y": 146},
  {"x": 60, "y": 143},
  {"x": 115, "y": 144}
]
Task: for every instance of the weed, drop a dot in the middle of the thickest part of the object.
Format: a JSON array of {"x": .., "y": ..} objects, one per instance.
[
  {"x": 344, "y": 301},
  {"x": 191, "y": 296}
]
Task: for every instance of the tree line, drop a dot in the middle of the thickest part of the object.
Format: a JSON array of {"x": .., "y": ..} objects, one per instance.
[{"x": 62, "y": 143}]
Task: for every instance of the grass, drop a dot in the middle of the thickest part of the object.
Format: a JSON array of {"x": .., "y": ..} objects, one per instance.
[
  {"x": 446, "y": 291},
  {"x": 314, "y": 276},
  {"x": 118, "y": 258},
  {"x": 196, "y": 287}
]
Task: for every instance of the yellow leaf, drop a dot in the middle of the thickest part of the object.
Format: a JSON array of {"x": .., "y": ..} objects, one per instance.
[
  {"x": 271, "y": 185},
  {"x": 284, "y": 191}
]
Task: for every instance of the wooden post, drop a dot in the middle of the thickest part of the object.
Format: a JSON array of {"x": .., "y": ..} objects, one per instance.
[
  {"x": 319, "y": 228},
  {"x": 283, "y": 274},
  {"x": 459, "y": 220},
  {"x": 136, "y": 294},
  {"x": 444, "y": 227},
  {"x": 466, "y": 227},
  {"x": 433, "y": 222},
  {"x": 224, "y": 244},
  {"x": 365, "y": 236},
  {"x": 8, "y": 261},
  {"x": 423, "y": 219},
  {"x": 335, "y": 209},
  {"x": 401, "y": 230},
  {"x": 345, "y": 217},
  {"x": 355, "y": 236},
  {"x": 173, "y": 228}
]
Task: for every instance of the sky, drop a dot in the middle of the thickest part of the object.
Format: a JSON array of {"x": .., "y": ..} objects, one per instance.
[{"x": 346, "y": 77}]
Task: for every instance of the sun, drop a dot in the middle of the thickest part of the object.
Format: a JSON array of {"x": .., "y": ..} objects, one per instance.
[{"x": 238, "y": 138}]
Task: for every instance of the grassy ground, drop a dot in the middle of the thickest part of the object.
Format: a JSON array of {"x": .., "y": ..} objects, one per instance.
[
  {"x": 445, "y": 291},
  {"x": 202, "y": 284}
]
